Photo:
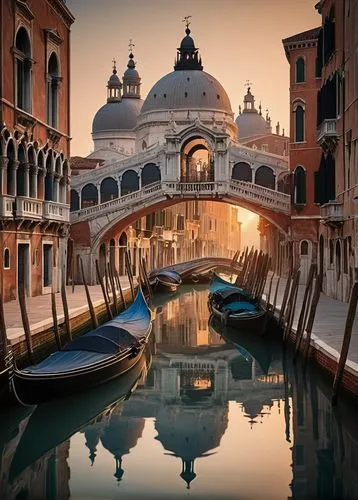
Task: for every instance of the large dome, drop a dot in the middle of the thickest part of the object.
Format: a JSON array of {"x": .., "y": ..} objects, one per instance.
[
  {"x": 187, "y": 89},
  {"x": 117, "y": 115},
  {"x": 251, "y": 124}
]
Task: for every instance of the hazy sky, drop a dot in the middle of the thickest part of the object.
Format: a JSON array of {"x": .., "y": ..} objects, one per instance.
[{"x": 238, "y": 40}]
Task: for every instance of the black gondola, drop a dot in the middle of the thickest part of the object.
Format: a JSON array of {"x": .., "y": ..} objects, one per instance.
[
  {"x": 96, "y": 357},
  {"x": 6, "y": 374},
  {"x": 165, "y": 281},
  {"x": 53, "y": 422}
]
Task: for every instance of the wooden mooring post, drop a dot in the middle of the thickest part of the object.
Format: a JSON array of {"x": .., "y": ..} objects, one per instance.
[
  {"x": 301, "y": 325},
  {"x": 104, "y": 293},
  {"x": 4, "y": 348},
  {"x": 146, "y": 279},
  {"x": 291, "y": 308},
  {"x": 312, "y": 313},
  {"x": 55, "y": 321},
  {"x": 65, "y": 310},
  {"x": 120, "y": 290},
  {"x": 25, "y": 322},
  {"x": 352, "y": 309},
  {"x": 113, "y": 288},
  {"x": 129, "y": 272},
  {"x": 89, "y": 300}
]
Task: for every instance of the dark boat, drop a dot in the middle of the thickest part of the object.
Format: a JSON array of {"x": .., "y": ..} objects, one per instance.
[
  {"x": 54, "y": 422},
  {"x": 6, "y": 374},
  {"x": 96, "y": 357},
  {"x": 165, "y": 281},
  {"x": 227, "y": 289}
]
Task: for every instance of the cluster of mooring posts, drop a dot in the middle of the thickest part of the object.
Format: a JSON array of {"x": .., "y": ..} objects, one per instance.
[
  {"x": 114, "y": 300},
  {"x": 301, "y": 335}
]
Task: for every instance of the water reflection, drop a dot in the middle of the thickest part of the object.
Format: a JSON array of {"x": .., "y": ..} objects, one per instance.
[{"x": 221, "y": 415}]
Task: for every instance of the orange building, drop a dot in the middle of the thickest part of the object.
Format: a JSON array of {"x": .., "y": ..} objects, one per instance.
[
  {"x": 304, "y": 152},
  {"x": 34, "y": 144}
]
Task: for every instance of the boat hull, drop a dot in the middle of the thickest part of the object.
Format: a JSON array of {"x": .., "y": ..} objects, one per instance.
[
  {"x": 5, "y": 385},
  {"x": 33, "y": 389},
  {"x": 249, "y": 323}
]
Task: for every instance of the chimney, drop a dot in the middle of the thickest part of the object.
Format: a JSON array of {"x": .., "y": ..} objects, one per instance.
[{"x": 278, "y": 128}]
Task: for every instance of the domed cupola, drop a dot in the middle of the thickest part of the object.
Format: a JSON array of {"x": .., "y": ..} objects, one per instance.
[
  {"x": 114, "y": 86},
  {"x": 131, "y": 78},
  {"x": 188, "y": 56},
  {"x": 250, "y": 121}
]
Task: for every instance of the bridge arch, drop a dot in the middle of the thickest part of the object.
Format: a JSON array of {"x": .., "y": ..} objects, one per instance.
[
  {"x": 196, "y": 160},
  {"x": 265, "y": 176},
  {"x": 74, "y": 200},
  {"x": 108, "y": 189},
  {"x": 150, "y": 173},
  {"x": 242, "y": 172},
  {"x": 129, "y": 182},
  {"x": 89, "y": 196}
]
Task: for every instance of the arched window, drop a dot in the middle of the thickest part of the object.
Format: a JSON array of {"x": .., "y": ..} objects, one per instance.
[
  {"x": 23, "y": 65},
  {"x": 53, "y": 80},
  {"x": 304, "y": 247},
  {"x": 130, "y": 182},
  {"x": 6, "y": 258},
  {"x": 109, "y": 189},
  {"x": 150, "y": 174},
  {"x": 11, "y": 171},
  {"x": 299, "y": 124},
  {"x": 22, "y": 173},
  {"x": 300, "y": 186},
  {"x": 242, "y": 172},
  {"x": 74, "y": 201},
  {"x": 89, "y": 196},
  {"x": 49, "y": 177},
  {"x": 331, "y": 252},
  {"x": 264, "y": 176},
  {"x": 300, "y": 70}
]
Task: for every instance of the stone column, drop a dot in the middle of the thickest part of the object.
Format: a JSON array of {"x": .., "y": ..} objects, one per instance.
[
  {"x": 56, "y": 188},
  {"x": 139, "y": 180},
  {"x": 33, "y": 181},
  {"x": 98, "y": 186},
  {"x": 3, "y": 174},
  {"x": 119, "y": 182},
  {"x": 12, "y": 179}
]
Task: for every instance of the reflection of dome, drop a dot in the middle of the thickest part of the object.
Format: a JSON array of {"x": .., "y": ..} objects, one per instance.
[
  {"x": 251, "y": 124},
  {"x": 187, "y": 89},
  {"x": 122, "y": 434},
  {"x": 117, "y": 115}
]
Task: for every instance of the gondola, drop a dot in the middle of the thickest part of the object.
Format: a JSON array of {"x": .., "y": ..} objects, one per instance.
[
  {"x": 226, "y": 289},
  {"x": 92, "y": 359},
  {"x": 165, "y": 281},
  {"x": 6, "y": 374},
  {"x": 53, "y": 422}
]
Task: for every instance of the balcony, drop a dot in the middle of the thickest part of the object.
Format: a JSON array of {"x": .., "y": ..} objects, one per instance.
[
  {"x": 28, "y": 208},
  {"x": 332, "y": 213},
  {"x": 327, "y": 132},
  {"x": 56, "y": 211},
  {"x": 6, "y": 205}
]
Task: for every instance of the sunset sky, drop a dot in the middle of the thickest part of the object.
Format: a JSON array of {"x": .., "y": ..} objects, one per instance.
[{"x": 238, "y": 40}]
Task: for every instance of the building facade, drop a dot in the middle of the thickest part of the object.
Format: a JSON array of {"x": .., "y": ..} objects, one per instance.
[{"x": 34, "y": 145}]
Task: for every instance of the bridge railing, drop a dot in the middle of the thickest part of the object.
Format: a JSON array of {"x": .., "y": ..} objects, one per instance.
[{"x": 267, "y": 197}]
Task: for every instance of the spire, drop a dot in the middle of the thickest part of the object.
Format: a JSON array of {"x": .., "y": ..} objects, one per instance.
[
  {"x": 188, "y": 473},
  {"x": 114, "y": 85},
  {"x": 131, "y": 78},
  {"x": 187, "y": 55},
  {"x": 249, "y": 100}
]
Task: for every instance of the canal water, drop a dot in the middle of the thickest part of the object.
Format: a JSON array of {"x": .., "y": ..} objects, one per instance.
[{"x": 202, "y": 416}]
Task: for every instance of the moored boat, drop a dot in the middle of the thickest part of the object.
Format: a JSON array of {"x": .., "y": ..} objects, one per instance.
[
  {"x": 92, "y": 359},
  {"x": 165, "y": 281}
]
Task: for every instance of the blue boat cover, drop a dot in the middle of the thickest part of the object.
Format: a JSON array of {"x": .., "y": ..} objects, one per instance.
[
  {"x": 241, "y": 306},
  {"x": 219, "y": 285},
  {"x": 125, "y": 330}
]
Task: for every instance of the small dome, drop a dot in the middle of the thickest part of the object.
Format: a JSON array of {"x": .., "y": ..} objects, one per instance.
[
  {"x": 131, "y": 74},
  {"x": 251, "y": 124},
  {"x": 187, "y": 43},
  {"x": 187, "y": 89},
  {"x": 114, "y": 80},
  {"x": 117, "y": 115}
]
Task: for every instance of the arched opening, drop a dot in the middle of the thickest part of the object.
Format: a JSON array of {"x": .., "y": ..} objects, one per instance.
[
  {"x": 112, "y": 254},
  {"x": 53, "y": 79},
  {"x": 300, "y": 70},
  {"x": 122, "y": 243},
  {"x": 40, "y": 175},
  {"x": 11, "y": 170},
  {"x": 331, "y": 252},
  {"x": 264, "y": 176},
  {"x": 197, "y": 163},
  {"x": 305, "y": 259},
  {"x": 150, "y": 174},
  {"x": 109, "y": 189},
  {"x": 242, "y": 172},
  {"x": 6, "y": 262},
  {"x": 32, "y": 172},
  {"x": 49, "y": 177},
  {"x": 300, "y": 186},
  {"x": 338, "y": 260},
  {"x": 23, "y": 66},
  {"x": 102, "y": 259},
  {"x": 129, "y": 183},
  {"x": 74, "y": 201},
  {"x": 299, "y": 124},
  {"x": 22, "y": 173},
  {"x": 89, "y": 196},
  {"x": 304, "y": 247}
]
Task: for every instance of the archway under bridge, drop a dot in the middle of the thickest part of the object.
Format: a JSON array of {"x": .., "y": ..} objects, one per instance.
[{"x": 96, "y": 228}]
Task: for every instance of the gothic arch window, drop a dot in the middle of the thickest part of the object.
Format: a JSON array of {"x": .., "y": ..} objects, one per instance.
[
  {"x": 49, "y": 177},
  {"x": 242, "y": 172},
  {"x": 74, "y": 201},
  {"x": 11, "y": 170},
  {"x": 6, "y": 258},
  {"x": 264, "y": 176},
  {"x": 300, "y": 70},
  {"x": 300, "y": 186},
  {"x": 21, "y": 173},
  {"x": 299, "y": 113},
  {"x": 53, "y": 80},
  {"x": 304, "y": 247},
  {"x": 130, "y": 182},
  {"x": 89, "y": 196},
  {"x": 109, "y": 189},
  {"x": 150, "y": 174},
  {"x": 23, "y": 64}
]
